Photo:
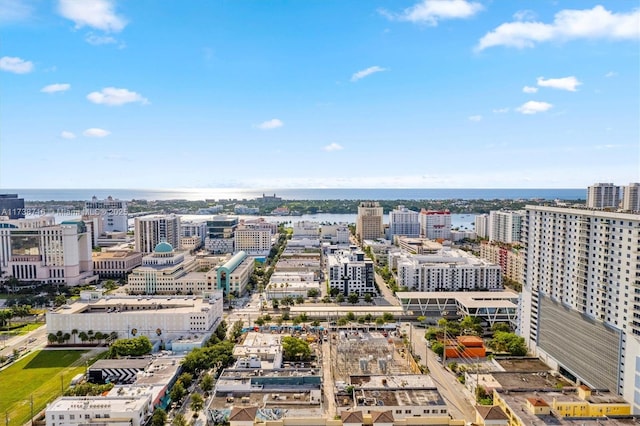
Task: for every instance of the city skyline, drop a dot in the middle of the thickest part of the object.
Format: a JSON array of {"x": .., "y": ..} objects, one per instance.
[{"x": 319, "y": 94}]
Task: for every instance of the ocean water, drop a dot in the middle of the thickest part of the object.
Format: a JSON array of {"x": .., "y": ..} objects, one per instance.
[{"x": 301, "y": 194}]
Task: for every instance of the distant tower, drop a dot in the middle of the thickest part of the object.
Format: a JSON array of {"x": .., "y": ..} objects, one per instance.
[
  {"x": 369, "y": 223},
  {"x": 403, "y": 222},
  {"x": 11, "y": 206},
  {"x": 435, "y": 224},
  {"x": 154, "y": 229},
  {"x": 112, "y": 212},
  {"x": 603, "y": 195},
  {"x": 631, "y": 197}
]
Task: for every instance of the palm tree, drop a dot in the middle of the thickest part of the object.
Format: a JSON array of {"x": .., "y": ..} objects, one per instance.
[
  {"x": 52, "y": 338},
  {"x": 66, "y": 337},
  {"x": 74, "y": 332},
  {"x": 83, "y": 336},
  {"x": 91, "y": 336}
]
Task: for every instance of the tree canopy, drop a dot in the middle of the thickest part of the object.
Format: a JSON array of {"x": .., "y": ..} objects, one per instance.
[
  {"x": 295, "y": 349},
  {"x": 131, "y": 347}
]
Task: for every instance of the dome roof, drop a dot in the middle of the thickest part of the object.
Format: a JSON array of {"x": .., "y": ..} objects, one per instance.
[{"x": 163, "y": 247}]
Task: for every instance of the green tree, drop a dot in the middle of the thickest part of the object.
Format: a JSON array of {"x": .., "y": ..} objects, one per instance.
[
  {"x": 136, "y": 346},
  {"x": 260, "y": 321},
  {"x": 295, "y": 349},
  {"x": 206, "y": 383},
  {"x": 470, "y": 325},
  {"x": 299, "y": 300},
  {"x": 177, "y": 392},
  {"x": 501, "y": 326},
  {"x": 354, "y": 298},
  {"x": 159, "y": 417},
  {"x": 59, "y": 300},
  {"x": 186, "y": 379},
  {"x": 438, "y": 348},
  {"x": 179, "y": 420},
  {"x": 197, "y": 403},
  {"x": 387, "y": 317},
  {"x": 350, "y": 316},
  {"x": 368, "y": 298},
  {"x": 340, "y": 298},
  {"x": 313, "y": 292}
]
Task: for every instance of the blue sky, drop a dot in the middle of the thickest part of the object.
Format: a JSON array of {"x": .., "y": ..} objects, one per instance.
[{"x": 314, "y": 94}]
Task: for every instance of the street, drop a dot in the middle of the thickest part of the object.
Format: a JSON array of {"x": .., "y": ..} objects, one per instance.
[{"x": 454, "y": 393}]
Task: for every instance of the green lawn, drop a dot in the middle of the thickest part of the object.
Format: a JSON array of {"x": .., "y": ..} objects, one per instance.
[{"x": 41, "y": 375}]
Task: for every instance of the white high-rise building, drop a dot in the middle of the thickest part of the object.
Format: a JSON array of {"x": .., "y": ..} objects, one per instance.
[
  {"x": 404, "y": 223},
  {"x": 112, "y": 212},
  {"x": 603, "y": 195},
  {"x": 435, "y": 224},
  {"x": 581, "y": 295},
  {"x": 631, "y": 197},
  {"x": 482, "y": 225},
  {"x": 40, "y": 250},
  {"x": 369, "y": 224},
  {"x": 154, "y": 229},
  {"x": 505, "y": 227}
]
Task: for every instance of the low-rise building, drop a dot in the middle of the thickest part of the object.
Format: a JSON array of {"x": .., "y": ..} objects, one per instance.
[
  {"x": 115, "y": 264},
  {"x": 159, "y": 318},
  {"x": 510, "y": 259},
  {"x": 233, "y": 276},
  {"x": 95, "y": 410},
  {"x": 448, "y": 270},
  {"x": 292, "y": 284}
]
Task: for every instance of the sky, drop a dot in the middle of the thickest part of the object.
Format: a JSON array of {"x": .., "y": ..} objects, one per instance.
[{"x": 319, "y": 93}]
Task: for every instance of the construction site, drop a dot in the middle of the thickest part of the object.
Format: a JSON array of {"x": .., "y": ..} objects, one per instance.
[{"x": 358, "y": 352}]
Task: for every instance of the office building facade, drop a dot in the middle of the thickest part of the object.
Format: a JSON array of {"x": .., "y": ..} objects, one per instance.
[{"x": 220, "y": 236}]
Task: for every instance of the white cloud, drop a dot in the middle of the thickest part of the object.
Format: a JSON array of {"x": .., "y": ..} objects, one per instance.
[
  {"x": 113, "y": 96},
  {"x": 14, "y": 11},
  {"x": 475, "y": 118},
  {"x": 534, "y": 107},
  {"x": 274, "y": 123},
  {"x": 95, "y": 132},
  {"x": 611, "y": 74},
  {"x": 15, "y": 65},
  {"x": 524, "y": 15},
  {"x": 57, "y": 87},
  {"x": 98, "y": 40},
  {"x": 68, "y": 135},
  {"x": 568, "y": 24},
  {"x": 529, "y": 89},
  {"x": 363, "y": 73},
  {"x": 565, "y": 83},
  {"x": 500, "y": 110},
  {"x": 431, "y": 11},
  {"x": 97, "y": 14},
  {"x": 333, "y": 147}
]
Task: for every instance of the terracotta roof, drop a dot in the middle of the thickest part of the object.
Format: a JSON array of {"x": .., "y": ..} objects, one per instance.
[
  {"x": 351, "y": 416},
  {"x": 243, "y": 414},
  {"x": 537, "y": 402},
  {"x": 491, "y": 412},
  {"x": 382, "y": 416}
]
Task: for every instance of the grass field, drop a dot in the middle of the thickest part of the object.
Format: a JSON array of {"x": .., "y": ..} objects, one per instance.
[{"x": 41, "y": 375}]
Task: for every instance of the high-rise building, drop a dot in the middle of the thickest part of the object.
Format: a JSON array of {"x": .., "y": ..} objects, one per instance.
[
  {"x": 39, "y": 250},
  {"x": 482, "y": 225},
  {"x": 350, "y": 271},
  {"x": 369, "y": 222},
  {"x": 154, "y": 229},
  {"x": 112, "y": 212},
  {"x": 581, "y": 297},
  {"x": 435, "y": 224},
  {"x": 12, "y": 206},
  {"x": 603, "y": 195},
  {"x": 505, "y": 227},
  {"x": 631, "y": 197},
  {"x": 221, "y": 231},
  {"x": 404, "y": 223}
]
